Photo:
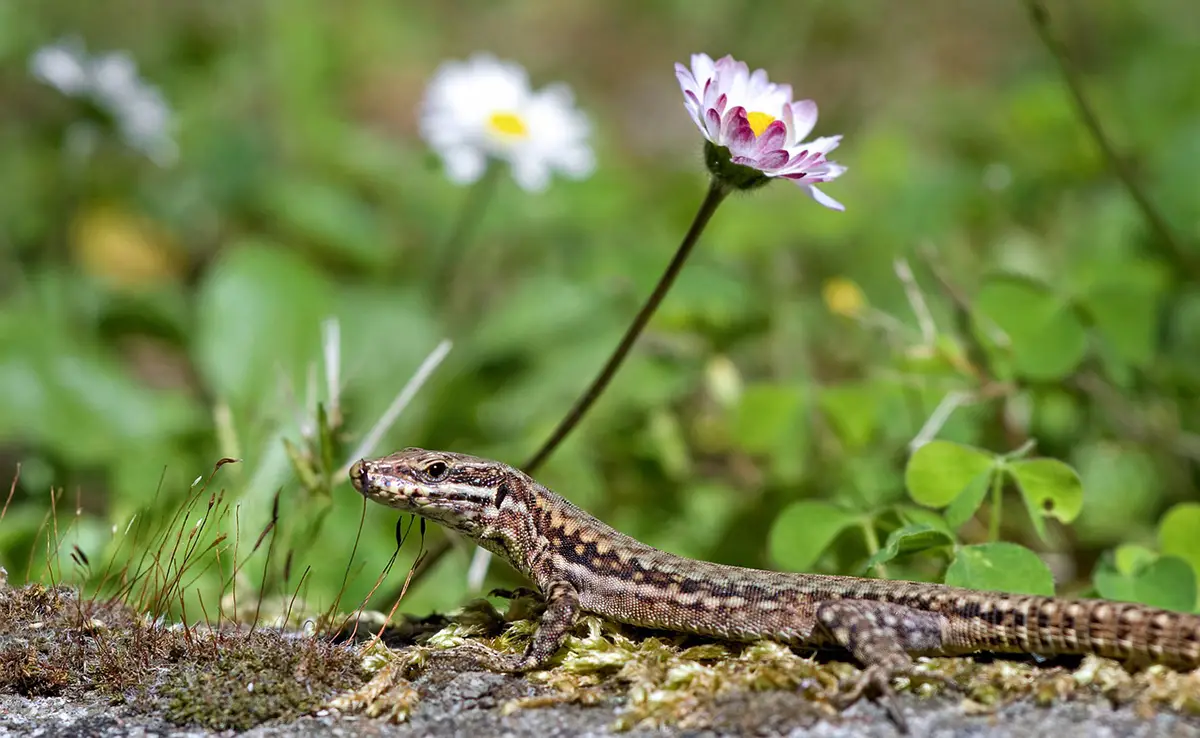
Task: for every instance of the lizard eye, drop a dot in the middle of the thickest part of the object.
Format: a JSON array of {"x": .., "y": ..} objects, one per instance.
[{"x": 436, "y": 470}]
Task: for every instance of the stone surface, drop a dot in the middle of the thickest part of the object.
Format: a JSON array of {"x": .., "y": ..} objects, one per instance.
[{"x": 468, "y": 704}]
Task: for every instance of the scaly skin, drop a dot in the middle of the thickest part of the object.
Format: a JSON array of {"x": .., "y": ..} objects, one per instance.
[{"x": 581, "y": 564}]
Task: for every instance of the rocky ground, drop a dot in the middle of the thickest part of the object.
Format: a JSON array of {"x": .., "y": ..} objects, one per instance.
[
  {"x": 97, "y": 669},
  {"x": 470, "y": 703}
]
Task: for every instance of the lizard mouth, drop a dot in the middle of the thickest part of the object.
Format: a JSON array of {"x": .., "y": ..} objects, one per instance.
[
  {"x": 358, "y": 477},
  {"x": 383, "y": 488}
]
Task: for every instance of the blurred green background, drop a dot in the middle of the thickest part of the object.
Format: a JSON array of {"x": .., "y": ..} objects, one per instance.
[{"x": 156, "y": 318}]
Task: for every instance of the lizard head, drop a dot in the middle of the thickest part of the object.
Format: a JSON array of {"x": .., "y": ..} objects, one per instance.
[{"x": 462, "y": 492}]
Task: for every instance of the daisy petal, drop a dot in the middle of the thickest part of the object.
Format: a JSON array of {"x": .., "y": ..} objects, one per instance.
[{"x": 824, "y": 199}]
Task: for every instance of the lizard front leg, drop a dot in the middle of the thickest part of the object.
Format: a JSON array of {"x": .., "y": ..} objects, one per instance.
[
  {"x": 390, "y": 692},
  {"x": 562, "y": 610},
  {"x": 880, "y": 635}
]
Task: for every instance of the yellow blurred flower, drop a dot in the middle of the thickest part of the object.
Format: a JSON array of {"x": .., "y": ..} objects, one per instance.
[
  {"x": 843, "y": 297},
  {"x": 124, "y": 248}
]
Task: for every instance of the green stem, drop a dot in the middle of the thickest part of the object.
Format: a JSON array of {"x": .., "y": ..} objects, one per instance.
[
  {"x": 872, "y": 538},
  {"x": 716, "y": 194},
  {"x": 457, "y": 243},
  {"x": 997, "y": 497},
  {"x": 1173, "y": 251}
]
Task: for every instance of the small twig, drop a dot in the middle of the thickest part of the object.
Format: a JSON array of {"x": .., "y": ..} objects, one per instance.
[
  {"x": 916, "y": 301},
  {"x": 331, "y": 344},
  {"x": 12, "y": 490},
  {"x": 271, "y": 527},
  {"x": 337, "y": 601},
  {"x": 287, "y": 616},
  {"x": 391, "y": 613},
  {"x": 1179, "y": 257},
  {"x": 953, "y": 400}
]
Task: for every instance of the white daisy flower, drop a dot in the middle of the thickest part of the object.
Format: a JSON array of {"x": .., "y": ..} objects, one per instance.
[
  {"x": 110, "y": 82},
  {"x": 484, "y": 109},
  {"x": 758, "y": 125}
]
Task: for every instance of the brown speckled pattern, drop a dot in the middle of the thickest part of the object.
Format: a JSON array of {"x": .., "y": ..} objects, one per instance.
[{"x": 582, "y": 565}]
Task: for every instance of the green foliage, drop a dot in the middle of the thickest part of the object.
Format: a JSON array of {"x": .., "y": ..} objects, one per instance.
[
  {"x": 258, "y": 290},
  {"x": 1179, "y": 535},
  {"x": 941, "y": 472},
  {"x": 957, "y": 477},
  {"x": 768, "y": 421},
  {"x": 1037, "y": 328},
  {"x": 803, "y": 530},
  {"x": 1137, "y": 574},
  {"x": 153, "y": 320},
  {"x": 1000, "y": 566},
  {"x": 910, "y": 539},
  {"x": 1050, "y": 488}
]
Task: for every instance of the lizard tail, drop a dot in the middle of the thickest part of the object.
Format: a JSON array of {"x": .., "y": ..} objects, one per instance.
[{"x": 1119, "y": 630}]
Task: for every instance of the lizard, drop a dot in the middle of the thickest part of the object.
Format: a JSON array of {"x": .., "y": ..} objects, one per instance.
[{"x": 581, "y": 564}]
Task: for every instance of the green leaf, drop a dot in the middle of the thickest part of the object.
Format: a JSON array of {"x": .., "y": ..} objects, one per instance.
[
  {"x": 1127, "y": 319},
  {"x": 803, "y": 530},
  {"x": 1122, "y": 296},
  {"x": 909, "y": 540},
  {"x": 915, "y": 514},
  {"x": 1001, "y": 567},
  {"x": 1131, "y": 558},
  {"x": 853, "y": 411},
  {"x": 1044, "y": 334},
  {"x": 1050, "y": 488},
  {"x": 968, "y": 501},
  {"x": 940, "y": 471},
  {"x": 1167, "y": 582},
  {"x": 1179, "y": 533},
  {"x": 259, "y": 323}
]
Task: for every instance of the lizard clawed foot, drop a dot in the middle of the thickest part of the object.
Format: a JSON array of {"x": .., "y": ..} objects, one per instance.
[{"x": 878, "y": 680}]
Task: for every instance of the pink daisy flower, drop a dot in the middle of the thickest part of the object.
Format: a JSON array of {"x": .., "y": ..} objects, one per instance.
[{"x": 759, "y": 125}]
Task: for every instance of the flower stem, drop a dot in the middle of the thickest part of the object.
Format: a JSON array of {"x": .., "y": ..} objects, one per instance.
[
  {"x": 716, "y": 194},
  {"x": 458, "y": 242}
]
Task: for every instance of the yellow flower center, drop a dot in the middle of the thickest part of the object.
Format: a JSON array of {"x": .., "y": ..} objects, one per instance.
[
  {"x": 508, "y": 124},
  {"x": 843, "y": 297},
  {"x": 759, "y": 122}
]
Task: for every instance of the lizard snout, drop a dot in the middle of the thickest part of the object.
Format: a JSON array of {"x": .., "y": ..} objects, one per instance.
[{"x": 358, "y": 475}]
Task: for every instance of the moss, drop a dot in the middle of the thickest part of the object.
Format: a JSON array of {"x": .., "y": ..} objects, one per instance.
[
  {"x": 54, "y": 643},
  {"x": 246, "y": 682}
]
